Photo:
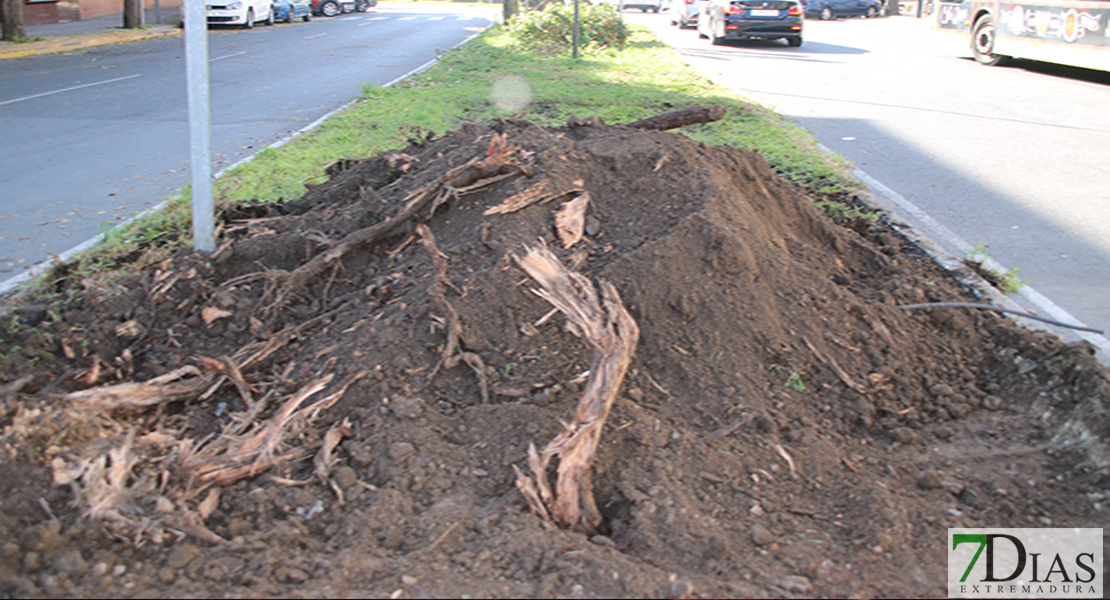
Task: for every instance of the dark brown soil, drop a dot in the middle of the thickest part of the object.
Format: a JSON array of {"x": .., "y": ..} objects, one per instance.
[{"x": 784, "y": 430}]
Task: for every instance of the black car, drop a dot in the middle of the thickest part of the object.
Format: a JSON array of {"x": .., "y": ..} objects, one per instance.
[{"x": 722, "y": 20}]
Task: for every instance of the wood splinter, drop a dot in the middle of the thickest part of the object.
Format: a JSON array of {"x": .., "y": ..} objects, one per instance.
[{"x": 611, "y": 331}]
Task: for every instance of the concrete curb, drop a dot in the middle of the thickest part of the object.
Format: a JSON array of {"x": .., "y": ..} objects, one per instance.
[{"x": 77, "y": 42}]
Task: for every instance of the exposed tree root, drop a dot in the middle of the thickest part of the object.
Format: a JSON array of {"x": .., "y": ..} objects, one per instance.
[
  {"x": 452, "y": 355},
  {"x": 613, "y": 334},
  {"x": 499, "y": 162}
]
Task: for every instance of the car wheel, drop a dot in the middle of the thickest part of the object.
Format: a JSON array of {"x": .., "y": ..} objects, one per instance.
[
  {"x": 361, "y": 6},
  {"x": 794, "y": 42},
  {"x": 308, "y": 15},
  {"x": 289, "y": 15},
  {"x": 330, "y": 8},
  {"x": 872, "y": 12},
  {"x": 270, "y": 19},
  {"x": 826, "y": 13},
  {"x": 982, "y": 42},
  {"x": 249, "y": 24}
]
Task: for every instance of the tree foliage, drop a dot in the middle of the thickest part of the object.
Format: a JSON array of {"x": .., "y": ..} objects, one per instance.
[{"x": 552, "y": 28}]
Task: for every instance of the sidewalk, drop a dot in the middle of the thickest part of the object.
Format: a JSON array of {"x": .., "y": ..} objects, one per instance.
[{"x": 86, "y": 33}]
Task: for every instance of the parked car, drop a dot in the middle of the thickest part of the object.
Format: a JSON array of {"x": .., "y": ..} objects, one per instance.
[
  {"x": 287, "y": 10},
  {"x": 244, "y": 13},
  {"x": 721, "y": 20},
  {"x": 643, "y": 5},
  {"x": 684, "y": 13},
  {"x": 831, "y": 9},
  {"x": 331, "y": 8}
]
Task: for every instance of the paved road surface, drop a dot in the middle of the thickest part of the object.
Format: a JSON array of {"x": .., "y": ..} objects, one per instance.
[{"x": 92, "y": 137}]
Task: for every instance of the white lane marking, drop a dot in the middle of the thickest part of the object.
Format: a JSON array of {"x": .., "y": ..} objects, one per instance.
[
  {"x": 436, "y": 18},
  {"x": 226, "y": 56},
  {"x": 309, "y": 37},
  {"x": 68, "y": 89},
  {"x": 406, "y": 18},
  {"x": 372, "y": 19}
]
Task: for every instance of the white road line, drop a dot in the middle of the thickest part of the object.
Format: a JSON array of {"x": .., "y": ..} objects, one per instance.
[
  {"x": 226, "y": 56},
  {"x": 436, "y": 18},
  {"x": 406, "y": 18},
  {"x": 371, "y": 21},
  {"x": 68, "y": 89},
  {"x": 309, "y": 37}
]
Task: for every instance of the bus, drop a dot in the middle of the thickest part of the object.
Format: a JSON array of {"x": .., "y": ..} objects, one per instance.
[{"x": 1067, "y": 32}]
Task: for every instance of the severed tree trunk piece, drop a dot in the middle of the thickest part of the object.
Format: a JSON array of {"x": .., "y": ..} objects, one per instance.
[
  {"x": 613, "y": 334},
  {"x": 681, "y": 118}
]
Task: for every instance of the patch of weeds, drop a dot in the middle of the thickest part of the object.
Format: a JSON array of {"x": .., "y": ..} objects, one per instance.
[
  {"x": 1007, "y": 282},
  {"x": 795, "y": 382},
  {"x": 845, "y": 214}
]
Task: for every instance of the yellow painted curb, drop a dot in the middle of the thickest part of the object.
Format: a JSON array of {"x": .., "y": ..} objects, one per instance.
[{"x": 78, "y": 42}]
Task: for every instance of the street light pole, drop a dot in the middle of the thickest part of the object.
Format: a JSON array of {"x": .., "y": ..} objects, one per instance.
[{"x": 200, "y": 123}]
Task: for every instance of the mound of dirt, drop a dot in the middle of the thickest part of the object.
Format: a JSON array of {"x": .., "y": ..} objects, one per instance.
[{"x": 337, "y": 401}]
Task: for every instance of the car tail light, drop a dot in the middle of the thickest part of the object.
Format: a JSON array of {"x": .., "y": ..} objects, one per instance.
[
  {"x": 689, "y": 1},
  {"x": 795, "y": 10},
  {"x": 734, "y": 9}
]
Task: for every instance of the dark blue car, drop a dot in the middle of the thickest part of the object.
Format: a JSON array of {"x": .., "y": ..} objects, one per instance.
[
  {"x": 831, "y": 9},
  {"x": 287, "y": 10}
]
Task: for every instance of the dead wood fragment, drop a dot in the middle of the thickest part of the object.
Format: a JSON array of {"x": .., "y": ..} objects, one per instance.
[
  {"x": 133, "y": 396},
  {"x": 680, "y": 118},
  {"x": 231, "y": 458},
  {"x": 452, "y": 354},
  {"x": 325, "y": 458},
  {"x": 841, "y": 373},
  {"x": 570, "y": 221},
  {"x": 190, "y": 524},
  {"x": 612, "y": 333}
]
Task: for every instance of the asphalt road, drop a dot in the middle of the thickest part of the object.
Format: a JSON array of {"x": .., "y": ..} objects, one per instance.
[
  {"x": 91, "y": 138},
  {"x": 1007, "y": 160}
]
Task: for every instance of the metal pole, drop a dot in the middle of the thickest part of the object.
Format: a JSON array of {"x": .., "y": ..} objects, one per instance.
[
  {"x": 574, "y": 54},
  {"x": 200, "y": 123}
]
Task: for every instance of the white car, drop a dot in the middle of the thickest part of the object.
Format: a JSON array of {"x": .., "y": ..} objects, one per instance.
[
  {"x": 244, "y": 13},
  {"x": 684, "y": 13}
]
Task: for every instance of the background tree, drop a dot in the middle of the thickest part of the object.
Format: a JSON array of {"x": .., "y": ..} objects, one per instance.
[
  {"x": 132, "y": 14},
  {"x": 11, "y": 19},
  {"x": 511, "y": 8}
]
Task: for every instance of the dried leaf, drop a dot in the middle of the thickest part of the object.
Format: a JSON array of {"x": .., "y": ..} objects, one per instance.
[{"x": 211, "y": 313}]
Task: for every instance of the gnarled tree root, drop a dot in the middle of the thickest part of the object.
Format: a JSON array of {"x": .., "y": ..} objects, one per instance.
[{"x": 613, "y": 334}]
